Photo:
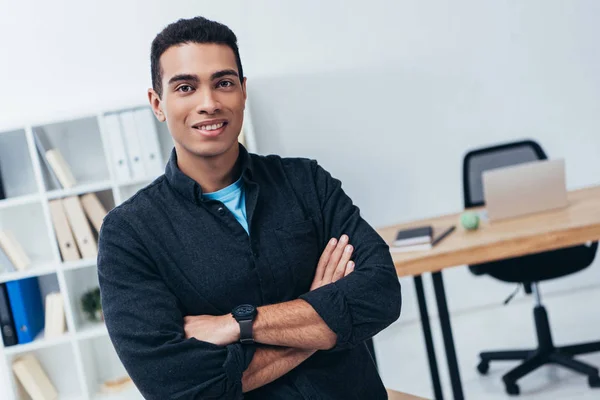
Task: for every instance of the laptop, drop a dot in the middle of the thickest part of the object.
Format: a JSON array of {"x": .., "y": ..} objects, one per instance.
[{"x": 524, "y": 189}]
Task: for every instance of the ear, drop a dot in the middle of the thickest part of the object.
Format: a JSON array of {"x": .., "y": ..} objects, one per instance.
[
  {"x": 244, "y": 89},
  {"x": 156, "y": 105}
]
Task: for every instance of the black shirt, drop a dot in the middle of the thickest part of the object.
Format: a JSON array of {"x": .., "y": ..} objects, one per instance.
[{"x": 167, "y": 252}]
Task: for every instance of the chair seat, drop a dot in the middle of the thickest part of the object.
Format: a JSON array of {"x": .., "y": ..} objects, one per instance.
[
  {"x": 394, "y": 395},
  {"x": 540, "y": 266}
]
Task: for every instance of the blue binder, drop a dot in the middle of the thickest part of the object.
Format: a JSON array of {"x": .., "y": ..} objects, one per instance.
[{"x": 27, "y": 308}]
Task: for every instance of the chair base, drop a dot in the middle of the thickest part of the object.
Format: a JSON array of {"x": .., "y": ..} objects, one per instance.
[{"x": 545, "y": 353}]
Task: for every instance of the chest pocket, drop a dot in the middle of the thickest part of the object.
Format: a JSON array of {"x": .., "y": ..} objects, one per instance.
[{"x": 298, "y": 245}]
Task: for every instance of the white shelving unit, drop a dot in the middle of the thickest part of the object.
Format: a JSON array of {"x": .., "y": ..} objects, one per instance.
[{"x": 83, "y": 357}]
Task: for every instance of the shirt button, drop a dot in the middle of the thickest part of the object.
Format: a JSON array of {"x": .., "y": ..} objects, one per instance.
[{"x": 221, "y": 210}]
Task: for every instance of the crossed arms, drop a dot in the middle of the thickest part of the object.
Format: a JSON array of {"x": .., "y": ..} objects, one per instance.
[
  {"x": 176, "y": 356},
  {"x": 295, "y": 325}
]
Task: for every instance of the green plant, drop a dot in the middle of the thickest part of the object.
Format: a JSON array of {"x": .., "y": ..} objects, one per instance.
[{"x": 91, "y": 304}]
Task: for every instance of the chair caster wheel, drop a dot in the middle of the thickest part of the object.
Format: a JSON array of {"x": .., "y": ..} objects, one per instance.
[
  {"x": 594, "y": 381},
  {"x": 483, "y": 367},
  {"x": 512, "y": 389}
]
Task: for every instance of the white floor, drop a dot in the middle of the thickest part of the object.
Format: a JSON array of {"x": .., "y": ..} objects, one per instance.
[{"x": 574, "y": 318}]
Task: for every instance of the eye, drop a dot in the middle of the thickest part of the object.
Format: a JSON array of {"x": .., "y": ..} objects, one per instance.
[
  {"x": 225, "y": 84},
  {"x": 185, "y": 89}
]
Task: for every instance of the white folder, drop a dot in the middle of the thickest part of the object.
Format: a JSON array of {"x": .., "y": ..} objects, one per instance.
[
  {"x": 133, "y": 145},
  {"x": 118, "y": 154},
  {"x": 148, "y": 137}
]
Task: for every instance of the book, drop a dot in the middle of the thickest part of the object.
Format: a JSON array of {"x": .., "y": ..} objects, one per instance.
[
  {"x": 42, "y": 145},
  {"x": 62, "y": 230},
  {"x": 94, "y": 210},
  {"x": 61, "y": 168},
  {"x": 438, "y": 234},
  {"x": 55, "y": 315},
  {"x": 34, "y": 379},
  {"x": 7, "y": 323},
  {"x": 414, "y": 236},
  {"x": 13, "y": 250},
  {"x": 27, "y": 308},
  {"x": 5, "y": 264}
]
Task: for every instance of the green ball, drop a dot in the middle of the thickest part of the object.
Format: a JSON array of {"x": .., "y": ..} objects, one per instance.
[{"x": 469, "y": 220}]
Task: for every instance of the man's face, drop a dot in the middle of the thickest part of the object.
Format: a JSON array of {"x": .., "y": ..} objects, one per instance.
[{"x": 203, "y": 100}]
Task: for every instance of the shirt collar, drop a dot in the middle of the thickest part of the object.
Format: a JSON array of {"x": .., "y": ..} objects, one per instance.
[{"x": 189, "y": 188}]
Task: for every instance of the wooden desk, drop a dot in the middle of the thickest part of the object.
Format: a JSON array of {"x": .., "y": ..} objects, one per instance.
[
  {"x": 393, "y": 395},
  {"x": 577, "y": 224}
]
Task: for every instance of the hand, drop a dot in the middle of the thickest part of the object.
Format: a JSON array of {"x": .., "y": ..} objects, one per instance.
[
  {"x": 334, "y": 263},
  {"x": 220, "y": 330}
]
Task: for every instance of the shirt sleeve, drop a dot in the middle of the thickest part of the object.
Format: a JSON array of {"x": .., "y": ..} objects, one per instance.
[
  {"x": 368, "y": 300},
  {"x": 145, "y": 323}
]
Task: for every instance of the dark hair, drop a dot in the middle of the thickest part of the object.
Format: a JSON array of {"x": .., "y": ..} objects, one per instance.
[{"x": 194, "y": 30}]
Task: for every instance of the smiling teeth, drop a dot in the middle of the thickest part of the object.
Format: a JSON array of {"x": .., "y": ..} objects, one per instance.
[{"x": 211, "y": 127}]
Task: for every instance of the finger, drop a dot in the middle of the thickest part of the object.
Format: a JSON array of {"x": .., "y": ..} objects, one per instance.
[
  {"x": 349, "y": 268},
  {"x": 325, "y": 259},
  {"x": 335, "y": 259},
  {"x": 341, "y": 267}
]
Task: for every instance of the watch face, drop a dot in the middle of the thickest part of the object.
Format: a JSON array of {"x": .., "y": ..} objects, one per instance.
[{"x": 244, "y": 311}]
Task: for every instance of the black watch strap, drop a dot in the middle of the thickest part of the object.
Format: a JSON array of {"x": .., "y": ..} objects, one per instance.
[{"x": 246, "y": 331}]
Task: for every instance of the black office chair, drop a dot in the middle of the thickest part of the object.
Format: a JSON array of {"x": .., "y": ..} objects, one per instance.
[{"x": 528, "y": 270}]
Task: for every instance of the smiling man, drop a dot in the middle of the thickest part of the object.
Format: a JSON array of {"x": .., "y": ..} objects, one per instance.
[{"x": 232, "y": 275}]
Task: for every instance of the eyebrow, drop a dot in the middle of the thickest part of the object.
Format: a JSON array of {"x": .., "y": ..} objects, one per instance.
[{"x": 194, "y": 78}]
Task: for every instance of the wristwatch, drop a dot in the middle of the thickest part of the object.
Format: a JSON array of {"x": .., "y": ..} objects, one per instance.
[{"x": 245, "y": 314}]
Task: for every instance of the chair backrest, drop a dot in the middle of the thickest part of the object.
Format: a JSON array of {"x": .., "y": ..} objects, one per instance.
[{"x": 477, "y": 161}]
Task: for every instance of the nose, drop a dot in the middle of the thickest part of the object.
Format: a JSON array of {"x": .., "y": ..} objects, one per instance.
[{"x": 207, "y": 103}]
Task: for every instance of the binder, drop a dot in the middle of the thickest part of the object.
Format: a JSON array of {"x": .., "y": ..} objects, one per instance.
[
  {"x": 13, "y": 250},
  {"x": 2, "y": 194},
  {"x": 27, "y": 308},
  {"x": 132, "y": 144},
  {"x": 61, "y": 168},
  {"x": 7, "y": 323},
  {"x": 80, "y": 227},
  {"x": 118, "y": 154},
  {"x": 94, "y": 210},
  {"x": 42, "y": 145},
  {"x": 148, "y": 138},
  {"x": 34, "y": 379},
  {"x": 64, "y": 235}
]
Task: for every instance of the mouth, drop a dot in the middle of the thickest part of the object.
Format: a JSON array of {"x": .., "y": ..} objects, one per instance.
[{"x": 210, "y": 128}]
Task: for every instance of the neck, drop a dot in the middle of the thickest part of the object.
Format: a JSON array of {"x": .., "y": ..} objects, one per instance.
[{"x": 211, "y": 173}]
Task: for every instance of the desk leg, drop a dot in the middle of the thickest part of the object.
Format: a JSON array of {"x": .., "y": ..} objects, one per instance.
[
  {"x": 433, "y": 368},
  {"x": 440, "y": 296}
]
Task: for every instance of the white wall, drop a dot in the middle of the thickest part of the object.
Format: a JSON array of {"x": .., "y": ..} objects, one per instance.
[{"x": 386, "y": 95}]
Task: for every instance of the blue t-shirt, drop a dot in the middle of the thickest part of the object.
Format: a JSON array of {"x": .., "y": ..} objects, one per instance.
[{"x": 234, "y": 198}]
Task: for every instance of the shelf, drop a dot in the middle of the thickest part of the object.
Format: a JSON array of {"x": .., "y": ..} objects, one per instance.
[
  {"x": 92, "y": 330},
  {"x": 128, "y": 393},
  {"x": 35, "y": 270},
  {"x": 131, "y": 182},
  {"x": 19, "y": 201},
  {"x": 83, "y": 263},
  {"x": 40, "y": 342},
  {"x": 81, "y": 359},
  {"x": 79, "y": 190}
]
